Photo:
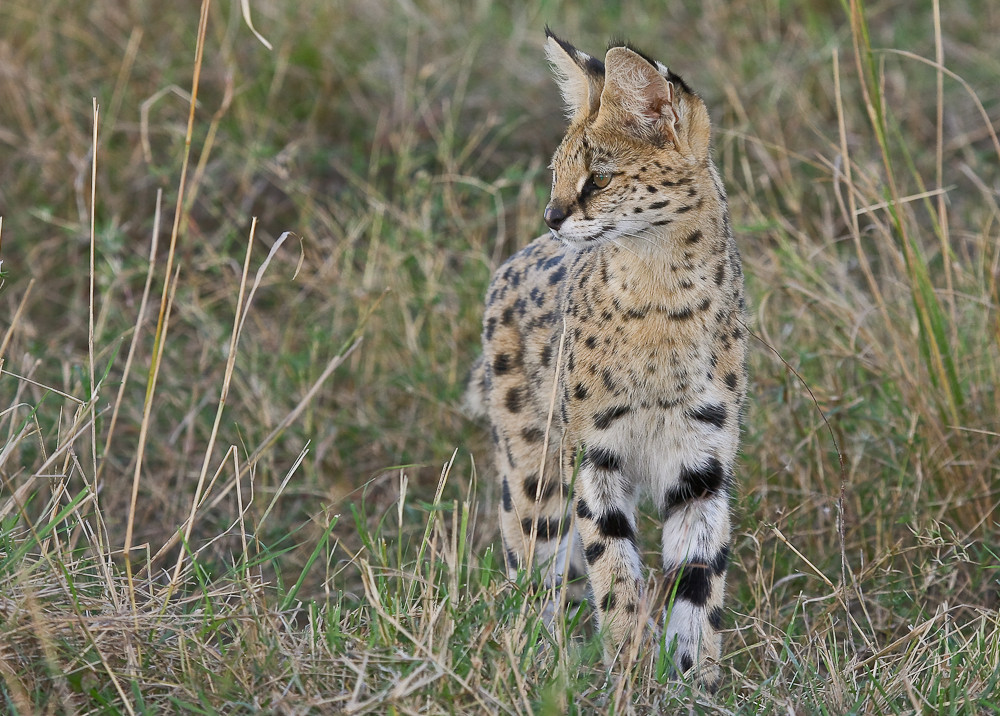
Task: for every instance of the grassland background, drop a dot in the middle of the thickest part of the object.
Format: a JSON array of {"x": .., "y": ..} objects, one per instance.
[{"x": 328, "y": 567}]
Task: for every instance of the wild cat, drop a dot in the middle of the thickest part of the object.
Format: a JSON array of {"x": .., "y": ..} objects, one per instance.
[{"x": 614, "y": 355}]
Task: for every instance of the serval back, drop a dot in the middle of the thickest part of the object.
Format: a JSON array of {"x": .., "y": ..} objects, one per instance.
[{"x": 614, "y": 358}]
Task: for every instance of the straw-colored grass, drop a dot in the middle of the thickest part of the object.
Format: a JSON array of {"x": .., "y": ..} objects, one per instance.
[{"x": 234, "y": 475}]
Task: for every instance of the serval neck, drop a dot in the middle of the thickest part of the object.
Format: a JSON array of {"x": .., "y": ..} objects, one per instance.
[{"x": 665, "y": 259}]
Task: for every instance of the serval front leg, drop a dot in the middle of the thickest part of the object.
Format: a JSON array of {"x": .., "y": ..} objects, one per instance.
[
  {"x": 605, "y": 512},
  {"x": 696, "y": 537}
]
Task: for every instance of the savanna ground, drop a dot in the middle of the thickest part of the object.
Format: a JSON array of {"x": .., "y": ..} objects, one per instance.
[{"x": 234, "y": 475}]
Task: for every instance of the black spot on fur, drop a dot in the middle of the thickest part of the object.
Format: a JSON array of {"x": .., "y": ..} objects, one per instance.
[
  {"x": 557, "y": 275},
  {"x": 694, "y": 584},
  {"x": 542, "y": 320},
  {"x": 591, "y": 341},
  {"x": 694, "y": 238},
  {"x": 682, "y": 314},
  {"x": 609, "y": 382},
  {"x": 703, "y": 481},
  {"x": 533, "y": 435},
  {"x": 552, "y": 262},
  {"x": 502, "y": 364},
  {"x": 609, "y": 601},
  {"x": 715, "y": 618},
  {"x": 659, "y": 204},
  {"x": 686, "y": 662},
  {"x": 508, "y": 502},
  {"x": 604, "y": 419},
  {"x": 580, "y": 391},
  {"x": 510, "y": 559},
  {"x": 514, "y": 399},
  {"x": 604, "y": 459},
  {"x": 731, "y": 380},
  {"x": 721, "y": 561},
  {"x": 713, "y": 414},
  {"x": 651, "y": 189},
  {"x": 547, "y": 528},
  {"x": 594, "y": 552},
  {"x": 508, "y": 316},
  {"x": 614, "y": 523},
  {"x": 583, "y": 509},
  {"x": 530, "y": 487}
]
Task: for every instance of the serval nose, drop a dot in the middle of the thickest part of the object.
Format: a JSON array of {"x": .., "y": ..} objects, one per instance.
[{"x": 555, "y": 217}]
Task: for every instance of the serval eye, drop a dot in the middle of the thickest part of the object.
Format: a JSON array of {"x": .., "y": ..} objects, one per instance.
[{"x": 600, "y": 180}]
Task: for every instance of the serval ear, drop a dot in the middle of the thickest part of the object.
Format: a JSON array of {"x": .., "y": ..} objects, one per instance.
[
  {"x": 653, "y": 103},
  {"x": 580, "y": 77}
]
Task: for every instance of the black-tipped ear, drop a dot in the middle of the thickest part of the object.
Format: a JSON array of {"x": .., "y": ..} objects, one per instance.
[{"x": 580, "y": 77}]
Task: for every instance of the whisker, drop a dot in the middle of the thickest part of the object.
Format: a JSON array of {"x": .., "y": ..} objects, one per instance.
[
  {"x": 641, "y": 236},
  {"x": 622, "y": 246},
  {"x": 644, "y": 260}
]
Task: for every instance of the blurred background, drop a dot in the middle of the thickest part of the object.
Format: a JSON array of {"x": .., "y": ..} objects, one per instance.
[{"x": 405, "y": 146}]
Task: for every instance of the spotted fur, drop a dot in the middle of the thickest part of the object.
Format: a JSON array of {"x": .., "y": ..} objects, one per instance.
[{"x": 614, "y": 350}]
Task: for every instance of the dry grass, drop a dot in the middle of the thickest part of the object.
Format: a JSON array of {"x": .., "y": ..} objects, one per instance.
[{"x": 268, "y": 430}]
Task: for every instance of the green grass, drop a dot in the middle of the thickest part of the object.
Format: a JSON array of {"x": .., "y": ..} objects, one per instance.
[{"x": 313, "y": 528}]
